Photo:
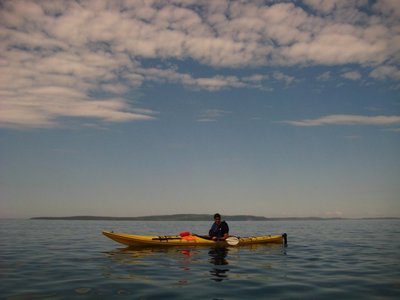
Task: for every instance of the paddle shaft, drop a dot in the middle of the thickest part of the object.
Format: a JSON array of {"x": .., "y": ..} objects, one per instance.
[{"x": 165, "y": 238}]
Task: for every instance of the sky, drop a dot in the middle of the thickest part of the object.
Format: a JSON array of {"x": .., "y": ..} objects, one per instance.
[{"x": 134, "y": 108}]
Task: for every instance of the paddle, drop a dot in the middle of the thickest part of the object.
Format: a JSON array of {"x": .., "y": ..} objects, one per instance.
[
  {"x": 232, "y": 240},
  {"x": 166, "y": 238}
]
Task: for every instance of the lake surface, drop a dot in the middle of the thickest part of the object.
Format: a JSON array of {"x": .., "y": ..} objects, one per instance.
[{"x": 340, "y": 259}]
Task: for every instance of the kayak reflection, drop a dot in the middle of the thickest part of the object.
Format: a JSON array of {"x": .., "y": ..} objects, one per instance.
[
  {"x": 180, "y": 265},
  {"x": 218, "y": 258}
]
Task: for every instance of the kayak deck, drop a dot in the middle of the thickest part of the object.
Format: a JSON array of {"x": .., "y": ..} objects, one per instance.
[{"x": 189, "y": 240}]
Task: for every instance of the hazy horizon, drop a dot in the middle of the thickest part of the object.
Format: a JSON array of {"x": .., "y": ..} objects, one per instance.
[{"x": 210, "y": 219}]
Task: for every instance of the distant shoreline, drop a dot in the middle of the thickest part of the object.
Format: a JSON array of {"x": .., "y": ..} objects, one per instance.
[{"x": 201, "y": 217}]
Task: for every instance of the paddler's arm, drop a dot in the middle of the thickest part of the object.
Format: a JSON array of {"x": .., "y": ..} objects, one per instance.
[{"x": 226, "y": 235}]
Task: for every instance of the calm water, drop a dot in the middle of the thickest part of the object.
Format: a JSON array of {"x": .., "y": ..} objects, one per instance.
[{"x": 352, "y": 259}]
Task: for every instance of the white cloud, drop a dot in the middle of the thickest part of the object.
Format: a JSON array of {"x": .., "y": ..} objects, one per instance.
[
  {"x": 383, "y": 72},
  {"x": 390, "y": 8},
  {"x": 283, "y": 77},
  {"x": 347, "y": 120},
  {"x": 212, "y": 115},
  {"x": 208, "y": 83},
  {"x": 255, "y": 78},
  {"x": 325, "y": 6},
  {"x": 324, "y": 76},
  {"x": 45, "y": 105},
  {"x": 352, "y": 75},
  {"x": 329, "y": 6},
  {"x": 245, "y": 38},
  {"x": 92, "y": 46},
  {"x": 114, "y": 88}
]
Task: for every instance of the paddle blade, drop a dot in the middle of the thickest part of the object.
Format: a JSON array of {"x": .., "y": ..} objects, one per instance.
[{"x": 232, "y": 240}]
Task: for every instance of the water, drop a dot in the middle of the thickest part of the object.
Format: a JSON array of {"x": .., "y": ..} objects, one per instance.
[{"x": 346, "y": 259}]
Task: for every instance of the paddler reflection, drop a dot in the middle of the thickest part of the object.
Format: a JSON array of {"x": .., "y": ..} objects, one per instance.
[{"x": 218, "y": 258}]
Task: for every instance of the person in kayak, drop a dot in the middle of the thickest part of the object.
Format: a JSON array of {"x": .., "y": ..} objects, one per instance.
[{"x": 219, "y": 229}]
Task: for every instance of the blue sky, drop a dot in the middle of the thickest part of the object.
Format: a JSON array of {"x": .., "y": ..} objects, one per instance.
[{"x": 131, "y": 108}]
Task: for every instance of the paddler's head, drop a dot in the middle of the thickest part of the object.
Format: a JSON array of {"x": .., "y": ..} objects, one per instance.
[{"x": 217, "y": 218}]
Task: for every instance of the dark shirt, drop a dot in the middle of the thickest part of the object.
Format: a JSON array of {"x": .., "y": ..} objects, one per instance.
[{"x": 219, "y": 230}]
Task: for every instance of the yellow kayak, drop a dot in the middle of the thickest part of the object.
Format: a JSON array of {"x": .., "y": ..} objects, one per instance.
[{"x": 190, "y": 240}]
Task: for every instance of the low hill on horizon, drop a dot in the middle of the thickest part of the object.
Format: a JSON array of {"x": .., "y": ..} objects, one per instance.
[
  {"x": 181, "y": 217},
  {"x": 174, "y": 217}
]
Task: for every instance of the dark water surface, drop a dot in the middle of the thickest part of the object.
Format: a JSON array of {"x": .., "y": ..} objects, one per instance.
[{"x": 341, "y": 259}]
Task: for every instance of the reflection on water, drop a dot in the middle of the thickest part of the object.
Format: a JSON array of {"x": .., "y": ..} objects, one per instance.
[
  {"x": 135, "y": 262},
  {"x": 147, "y": 264},
  {"x": 218, "y": 258}
]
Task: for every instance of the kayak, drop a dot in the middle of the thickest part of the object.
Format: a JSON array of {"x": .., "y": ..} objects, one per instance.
[{"x": 191, "y": 240}]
